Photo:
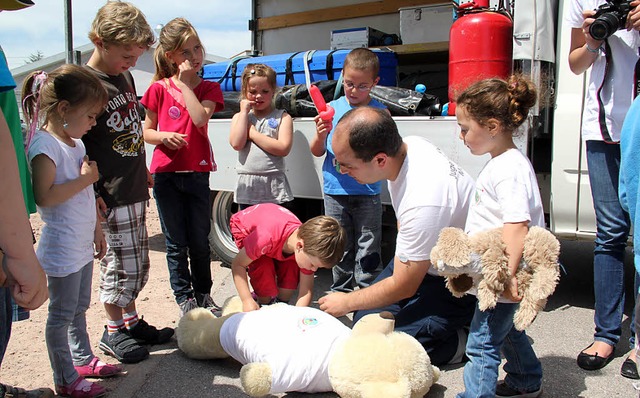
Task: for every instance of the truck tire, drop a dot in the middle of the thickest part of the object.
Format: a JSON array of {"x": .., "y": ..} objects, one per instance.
[{"x": 221, "y": 242}]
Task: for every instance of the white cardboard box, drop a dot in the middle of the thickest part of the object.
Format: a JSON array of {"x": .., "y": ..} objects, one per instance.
[{"x": 425, "y": 24}]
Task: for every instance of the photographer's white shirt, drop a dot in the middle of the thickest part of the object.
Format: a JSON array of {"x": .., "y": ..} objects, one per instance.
[{"x": 624, "y": 48}]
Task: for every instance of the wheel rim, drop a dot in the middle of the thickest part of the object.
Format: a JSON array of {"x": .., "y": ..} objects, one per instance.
[{"x": 221, "y": 213}]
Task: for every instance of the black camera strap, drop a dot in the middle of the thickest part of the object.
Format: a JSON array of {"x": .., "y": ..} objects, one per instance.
[
  {"x": 602, "y": 117},
  {"x": 636, "y": 77}
]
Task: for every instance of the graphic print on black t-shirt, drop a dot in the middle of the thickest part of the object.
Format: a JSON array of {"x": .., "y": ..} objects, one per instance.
[
  {"x": 123, "y": 121},
  {"x": 116, "y": 143}
]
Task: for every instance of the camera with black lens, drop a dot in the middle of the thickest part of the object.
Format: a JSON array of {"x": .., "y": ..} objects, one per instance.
[{"x": 609, "y": 17}]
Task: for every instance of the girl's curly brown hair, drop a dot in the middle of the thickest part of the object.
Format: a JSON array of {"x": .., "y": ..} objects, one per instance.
[{"x": 507, "y": 101}]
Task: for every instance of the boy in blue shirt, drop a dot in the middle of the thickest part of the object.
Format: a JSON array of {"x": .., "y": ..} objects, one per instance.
[{"x": 356, "y": 206}]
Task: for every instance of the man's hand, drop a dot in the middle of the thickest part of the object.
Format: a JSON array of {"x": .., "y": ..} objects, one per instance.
[{"x": 335, "y": 304}]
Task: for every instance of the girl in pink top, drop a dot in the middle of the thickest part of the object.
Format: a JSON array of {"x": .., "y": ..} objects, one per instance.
[{"x": 179, "y": 104}]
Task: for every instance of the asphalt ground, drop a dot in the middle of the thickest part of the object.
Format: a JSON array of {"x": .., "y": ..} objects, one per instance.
[{"x": 558, "y": 334}]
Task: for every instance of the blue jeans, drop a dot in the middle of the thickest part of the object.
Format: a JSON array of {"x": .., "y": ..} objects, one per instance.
[
  {"x": 66, "y": 331},
  {"x": 5, "y": 320},
  {"x": 432, "y": 315},
  {"x": 491, "y": 331},
  {"x": 184, "y": 211},
  {"x": 361, "y": 218},
  {"x": 613, "y": 227}
]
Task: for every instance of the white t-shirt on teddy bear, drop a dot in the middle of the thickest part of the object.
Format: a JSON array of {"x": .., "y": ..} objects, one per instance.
[{"x": 299, "y": 358}]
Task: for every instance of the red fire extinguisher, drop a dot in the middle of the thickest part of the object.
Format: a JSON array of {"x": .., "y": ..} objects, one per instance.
[{"x": 480, "y": 46}]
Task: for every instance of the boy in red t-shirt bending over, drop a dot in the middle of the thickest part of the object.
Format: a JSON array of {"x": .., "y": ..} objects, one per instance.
[{"x": 279, "y": 252}]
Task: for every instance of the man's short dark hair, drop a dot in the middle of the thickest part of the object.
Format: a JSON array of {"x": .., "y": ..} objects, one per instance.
[{"x": 371, "y": 131}]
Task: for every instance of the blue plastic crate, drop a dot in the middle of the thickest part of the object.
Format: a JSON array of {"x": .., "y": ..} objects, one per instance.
[{"x": 323, "y": 65}]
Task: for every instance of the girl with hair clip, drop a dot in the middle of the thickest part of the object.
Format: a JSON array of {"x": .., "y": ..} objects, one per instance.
[
  {"x": 65, "y": 104},
  {"x": 507, "y": 195},
  {"x": 179, "y": 104},
  {"x": 263, "y": 136}
]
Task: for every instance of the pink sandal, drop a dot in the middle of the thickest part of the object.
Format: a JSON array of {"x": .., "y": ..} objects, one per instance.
[
  {"x": 81, "y": 388},
  {"x": 97, "y": 368}
]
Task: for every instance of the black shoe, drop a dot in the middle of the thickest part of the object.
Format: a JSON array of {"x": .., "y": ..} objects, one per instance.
[
  {"x": 122, "y": 346},
  {"x": 11, "y": 391},
  {"x": 503, "y": 390},
  {"x": 593, "y": 362},
  {"x": 629, "y": 369},
  {"x": 144, "y": 333},
  {"x": 205, "y": 300}
]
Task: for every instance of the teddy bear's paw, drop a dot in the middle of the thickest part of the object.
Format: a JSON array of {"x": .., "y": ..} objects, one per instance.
[
  {"x": 541, "y": 248},
  {"x": 527, "y": 312},
  {"x": 436, "y": 373},
  {"x": 256, "y": 379},
  {"x": 487, "y": 298}
]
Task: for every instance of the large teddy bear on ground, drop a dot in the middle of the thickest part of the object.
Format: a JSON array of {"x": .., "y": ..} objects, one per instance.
[
  {"x": 481, "y": 260},
  {"x": 285, "y": 348}
]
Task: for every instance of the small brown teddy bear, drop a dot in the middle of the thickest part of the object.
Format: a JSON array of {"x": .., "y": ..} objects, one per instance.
[{"x": 481, "y": 260}]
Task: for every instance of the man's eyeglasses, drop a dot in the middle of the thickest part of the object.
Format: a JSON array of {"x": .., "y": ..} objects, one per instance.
[{"x": 362, "y": 88}]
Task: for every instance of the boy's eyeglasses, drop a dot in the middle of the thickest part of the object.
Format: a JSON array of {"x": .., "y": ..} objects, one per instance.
[
  {"x": 336, "y": 165},
  {"x": 362, "y": 88}
]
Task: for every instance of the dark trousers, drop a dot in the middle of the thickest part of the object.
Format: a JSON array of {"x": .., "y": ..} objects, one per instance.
[{"x": 432, "y": 315}]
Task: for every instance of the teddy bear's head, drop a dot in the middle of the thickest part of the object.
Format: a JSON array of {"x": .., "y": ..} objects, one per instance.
[
  {"x": 375, "y": 361},
  {"x": 198, "y": 331}
]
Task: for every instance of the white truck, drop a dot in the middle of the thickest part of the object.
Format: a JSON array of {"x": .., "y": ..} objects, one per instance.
[{"x": 551, "y": 140}]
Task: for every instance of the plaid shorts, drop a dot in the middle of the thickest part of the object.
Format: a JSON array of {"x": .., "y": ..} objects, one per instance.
[{"x": 124, "y": 270}]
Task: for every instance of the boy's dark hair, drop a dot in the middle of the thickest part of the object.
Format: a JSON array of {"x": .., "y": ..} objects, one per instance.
[
  {"x": 362, "y": 59},
  {"x": 323, "y": 238},
  {"x": 121, "y": 23},
  {"x": 371, "y": 131}
]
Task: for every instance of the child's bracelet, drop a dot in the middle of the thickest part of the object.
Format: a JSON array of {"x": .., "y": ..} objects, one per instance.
[{"x": 593, "y": 50}]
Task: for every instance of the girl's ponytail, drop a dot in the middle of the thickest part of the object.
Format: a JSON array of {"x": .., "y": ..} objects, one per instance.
[{"x": 31, "y": 102}]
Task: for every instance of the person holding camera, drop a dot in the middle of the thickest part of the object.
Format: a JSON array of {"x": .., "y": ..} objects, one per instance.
[{"x": 604, "y": 38}]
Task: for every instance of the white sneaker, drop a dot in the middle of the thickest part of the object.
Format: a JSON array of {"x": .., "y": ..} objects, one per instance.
[
  {"x": 463, "y": 336},
  {"x": 187, "y": 306}
]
